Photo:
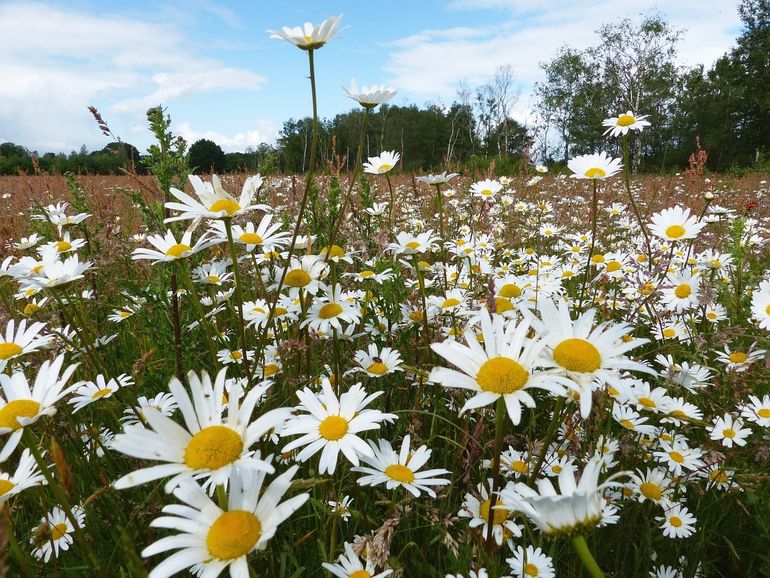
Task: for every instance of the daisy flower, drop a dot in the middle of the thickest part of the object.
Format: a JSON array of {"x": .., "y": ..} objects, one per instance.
[
  {"x": 55, "y": 273},
  {"x": 210, "y": 539},
  {"x": 729, "y": 431},
  {"x": 329, "y": 311},
  {"x": 683, "y": 291},
  {"x": 87, "y": 392},
  {"x": 506, "y": 366},
  {"x": 678, "y": 456},
  {"x": 304, "y": 273},
  {"x": 620, "y": 125},
  {"x": 382, "y": 164},
  {"x": 264, "y": 235},
  {"x": 486, "y": 189},
  {"x": 54, "y": 533},
  {"x": 27, "y": 475},
  {"x": 342, "y": 508},
  {"x": 214, "y": 273},
  {"x": 738, "y": 360},
  {"x": 503, "y": 524},
  {"x": 595, "y": 166},
  {"x": 332, "y": 424},
  {"x": 576, "y": 506},
  {"x": 309, "y": 37},
  {"x": 654, "y": 485},
  {"x": 531, "y": 563},
  {"x": 408, "y": 244},
  {"x": 65, "y": 245},
  {"x": 164, "y": 402},
  {"x": 213, "y": 201},
  {"x": 631, "y": 420},
  {"x": 168, "y": 249},
  {"x": 757, "y": 410},
  {"x": 20, "y": 340},
  {"x": 349, "y": 565},
  {"x": 760, "y": 305},
  {"x": 675, "y": 224},
  {"x": 209, "y": 445},
  {"x": 378, "y": 362},
  {"x": 400, "y": 469},
  {"x": 678, "y": 522},
  {"x": 584, "y": 353},
  {"x": 21, "y": 406},
  {"x": 27, "y": 242},
  {"x": 439, "y": 179}
]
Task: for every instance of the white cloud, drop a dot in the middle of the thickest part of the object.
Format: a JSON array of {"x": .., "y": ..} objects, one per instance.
[
  {"x": 265, "y": 132},
  {"x": 57, "y": 62},
  {"x": 433, "y": 62}
]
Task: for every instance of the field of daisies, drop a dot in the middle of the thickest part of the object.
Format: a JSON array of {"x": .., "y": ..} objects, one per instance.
[{"x": 364, "y": 375}]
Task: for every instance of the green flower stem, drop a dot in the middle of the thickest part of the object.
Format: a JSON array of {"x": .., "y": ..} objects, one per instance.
[
  {"x": 637, "y": 214},
  {"x": 85, "y": 340},
  {"x": 303, "y": 204},
  {"x": 202, "y": 319},
  {"x": 238, "y": 298},
  {"x": 579, "y": 543},
  {"x": 61, "y": 496},
  {"x": 500, "y": 415},
  {"x": 594, "y": 219},
  {"x": 351, "y": 183},
  {"x": 21, "y": 558},
  {"x": 421, "y": 283},
  {"x": 552, "y": 428},
  {"x": 390, "y": 208}
]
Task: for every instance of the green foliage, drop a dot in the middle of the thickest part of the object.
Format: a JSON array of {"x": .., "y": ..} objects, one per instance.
[{"x": 207, "y": 157}]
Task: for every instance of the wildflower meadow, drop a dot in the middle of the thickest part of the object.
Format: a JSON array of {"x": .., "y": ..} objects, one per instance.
[{"x": 366, "y": 373}]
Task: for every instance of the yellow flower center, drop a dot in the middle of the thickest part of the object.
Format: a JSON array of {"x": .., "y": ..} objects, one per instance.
[
  {"x": 487, "y": 193},
  {"x": 377, "y": 368},
  {"x": 520, "y": 466},
  {"x": 280, "y": 311},
  {"x": 236, "y": 354},
  {"x": 336, "y": 251},
  {"x": 651, "y": 491},
  {"x": 627, "y": 423},
  {"x": 613, "y": 266},
  {"x": 58, "y": 531},
  {"x": 297, "y": 278},
  {"x": 250, "y": 239},
  {"x": 62, "y": 246},
  {"x": 675, "y": 521},
  {"x": 413, "y": 245},
  {"x": 333, "y": 428},
  {"x": 509, "y": 290},
  {"x": 213, "y": 279},
  {"x": 595, "y": 173},
  {"x": 577, "y": 355},
  {"x": 6, "y": 486},
  {"x": 233, "y": 534},
  {"x": 15, "y": 409},
  {"x": 728, "y": 433},
  {"x": 738, "y": 357},
  {"x": 669, "y": 332},
  {"x": 385, "y": 167},
  {"x": 683, "y": 291},
  {"x": 711, "y": 315},
  {"x": 366, "y": 274},
  {"x": 400, "y": 473},
  {"x": 626, "y": 120},
  {"x": 647, "y": 402},
  {"x": 676, "y": 456},
  {"x": 767, "y": 309},
  {"x": 213, "y": 447},
  {"x": 270, "y": 369},
  {"x": 675, "y": 231},
  {"x": 451, "y": 302},
  {"x": 598, "y": 258},
  {"x": 502, "y": 304},
  {"x": 719, "y": 476},
  {"x": 764, "y": 412},
  {"x": 329, "y": 310},
  {"x": 30, "y": 308},
  {"x": 567, "y": 274},
  {"x": 227, "y": 205},
  {"x": 177, "y": 250},
  {"x": 531, "y": 570},
  {"x": 499, "y": 516},
  {"x": 101, "y": 393},
  {"x": 360, "y": 574},
  {"x": 501, "y": 375},
  {"x": 415, "y": 316},
  {"x": 9, "y": 349}
]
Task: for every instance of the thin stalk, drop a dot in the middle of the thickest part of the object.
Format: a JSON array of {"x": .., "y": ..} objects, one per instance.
[
  {"x": 594, "y": 219},
  {"x": 421, "y": 284},
  {"x": 552, "y": 428},
  {"x": 500, "y": 415},
  {"x": 637, "y": 214},
  {"x": 392, "y": 202},
  {"x": 238, "y": 297},
  {"x": 351, "y": 183},
  {"x": 20, "y": 557},
  {"x": 203, "y": 320},
  {"x": 579, "y": 543},
  {"x": 303, "y": 204},
  {"x": 61, "y": 497},
  {"x": 177, "y": 326}
]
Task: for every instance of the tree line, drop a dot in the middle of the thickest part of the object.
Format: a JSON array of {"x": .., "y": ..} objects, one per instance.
[{"x": 633, "y": 66}]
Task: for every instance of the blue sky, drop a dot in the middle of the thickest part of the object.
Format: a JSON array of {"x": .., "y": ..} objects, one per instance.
[{"x": 221, "y": 76}]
